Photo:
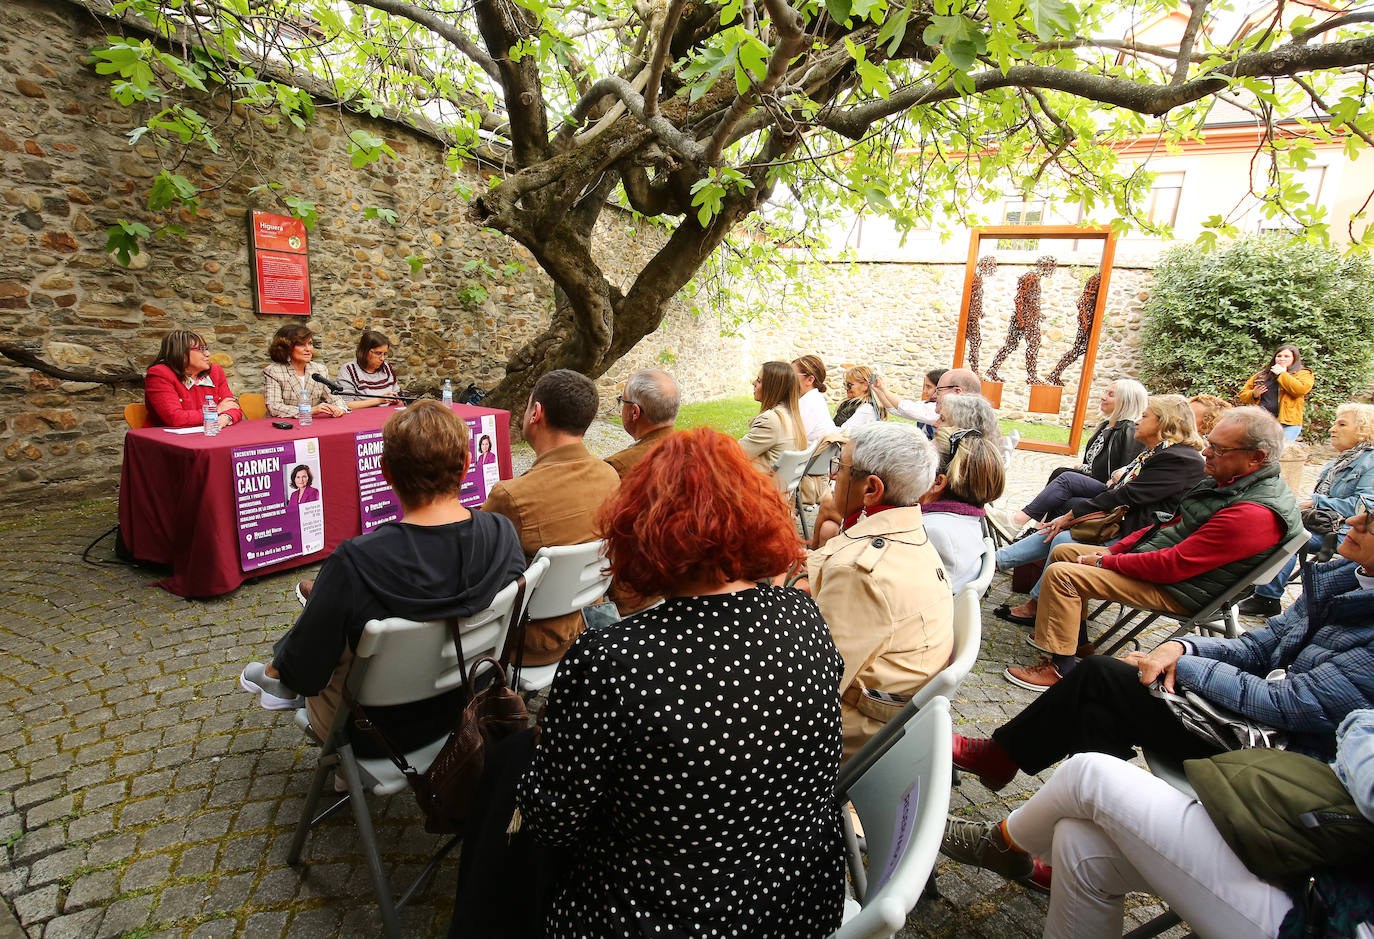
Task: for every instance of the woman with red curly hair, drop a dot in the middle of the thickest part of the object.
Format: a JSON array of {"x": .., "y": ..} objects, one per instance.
[{"x": 688, "y": 754}]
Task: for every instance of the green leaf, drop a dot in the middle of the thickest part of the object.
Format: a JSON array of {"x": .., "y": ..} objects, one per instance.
[
  {"x": 894, "y": 29},
  {"x": 416, "y": 261},
  {"x": 838, "y": 10},
  {"x": 302, "y": 209},
  {"x": 1051, "y": 17},
  {"x": 122, "y": 240},
  {"x": 386, "y": 215},
  {"x": 169, "y": 189}
]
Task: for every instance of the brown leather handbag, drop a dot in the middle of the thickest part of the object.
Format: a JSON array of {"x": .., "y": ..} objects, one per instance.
[
  {"x": 1099, "y": 527},
  {"x": 446, "y": 788}
]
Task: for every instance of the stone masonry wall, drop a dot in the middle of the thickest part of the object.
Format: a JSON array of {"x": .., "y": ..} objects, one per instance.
[{"x": 67, "y": 173}]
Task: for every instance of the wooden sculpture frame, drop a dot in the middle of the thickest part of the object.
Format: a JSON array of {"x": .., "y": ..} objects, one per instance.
[{"x": 1085, "y": 376}]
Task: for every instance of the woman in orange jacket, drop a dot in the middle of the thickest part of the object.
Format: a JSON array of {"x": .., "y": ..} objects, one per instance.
[{"x": 1279, "y": 387}]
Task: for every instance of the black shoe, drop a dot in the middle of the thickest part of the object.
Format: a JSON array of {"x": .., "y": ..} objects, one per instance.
[
  {"x": 1004, "y": 612},
  {"x": 1261, "y": 606}
]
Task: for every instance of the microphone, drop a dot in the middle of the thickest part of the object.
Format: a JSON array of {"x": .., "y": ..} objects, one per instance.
[
  {"x": 1330, "y": 542},
  {"x": 332, "y": 386}
]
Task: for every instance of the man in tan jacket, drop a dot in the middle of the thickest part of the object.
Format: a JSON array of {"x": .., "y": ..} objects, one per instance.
[
  {"x": 557, "y": 499},
  {"x": 648, "y": 408},
  {"x": 879, "y": 582}
]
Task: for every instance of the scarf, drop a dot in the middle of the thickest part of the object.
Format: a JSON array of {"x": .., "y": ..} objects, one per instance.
[
  {"x": 953, "y": 507},
  {"x": 1133, "y": 470},
  {"x": 1336, "y": 467},
  {"x": 853, "y": 517}
]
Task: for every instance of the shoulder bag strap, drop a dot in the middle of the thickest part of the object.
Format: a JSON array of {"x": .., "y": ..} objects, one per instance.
[
  {"x": 363, "y": 723},
  {"x": 515, "y": 634}
]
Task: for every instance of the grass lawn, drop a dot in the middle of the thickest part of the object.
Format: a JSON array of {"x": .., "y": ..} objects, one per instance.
[{"x": 1050, "y": 433}]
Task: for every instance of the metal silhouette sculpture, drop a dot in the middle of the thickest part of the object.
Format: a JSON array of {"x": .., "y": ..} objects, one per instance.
[
  {"x": 1087, "y": 307},
  {"x": 973, "y": 332},
  {"x": 1025, "y": 321}
]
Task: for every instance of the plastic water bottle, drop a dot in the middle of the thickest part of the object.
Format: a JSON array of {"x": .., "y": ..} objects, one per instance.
[
  {"x": 303, "y": 409},
  {"x": 448, "y": 393},
  {"x": 209, "y": 415}
]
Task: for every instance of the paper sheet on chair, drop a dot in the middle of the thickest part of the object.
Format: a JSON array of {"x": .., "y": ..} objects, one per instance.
[{"x": 902, "y": 827}]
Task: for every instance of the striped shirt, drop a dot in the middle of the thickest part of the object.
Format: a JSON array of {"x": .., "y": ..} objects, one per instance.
[{"x": 379, "y": 384}]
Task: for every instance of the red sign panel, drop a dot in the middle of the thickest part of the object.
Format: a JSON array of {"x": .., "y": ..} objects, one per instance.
[{"x": 281, "y": 264}]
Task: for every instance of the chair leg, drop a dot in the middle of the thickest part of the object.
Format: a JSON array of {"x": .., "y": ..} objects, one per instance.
[
  {"x": 390, "y": 924},
  {"x": 428, "y": 872},
  {"x": 312, "y": 799},
  {"x": 1232, "y": 616},
  {"x": 851, "y": 852}
]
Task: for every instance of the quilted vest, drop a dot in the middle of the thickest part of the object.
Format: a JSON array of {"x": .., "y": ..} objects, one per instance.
[{"x": 1262, "y": 487}]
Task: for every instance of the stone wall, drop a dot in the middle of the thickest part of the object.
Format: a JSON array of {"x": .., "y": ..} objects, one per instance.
[{"x": 67, "y": 173}]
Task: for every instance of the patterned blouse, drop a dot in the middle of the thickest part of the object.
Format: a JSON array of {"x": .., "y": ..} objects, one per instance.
[
  {"x": 689, "y": 756},
  {"x": 281, "y": 388}
]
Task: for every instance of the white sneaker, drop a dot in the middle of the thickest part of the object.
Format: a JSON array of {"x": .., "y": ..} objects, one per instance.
[{"x": 254, "y": 680}]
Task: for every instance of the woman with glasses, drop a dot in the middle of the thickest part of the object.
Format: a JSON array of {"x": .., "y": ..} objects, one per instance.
[
  {"x": 1169, "y": 465},
  {"x": 779, "y": 425},
  {"x": 370, "y": 379},
  {"x": 879, "y": 582},
  {"x": 293, "y": 363},
  {"x": 1342, "y": 483},
  {"x": 970, "y": 476},
  {"x": 180, "y": 380},
  {"x": 861, "y": 405}
]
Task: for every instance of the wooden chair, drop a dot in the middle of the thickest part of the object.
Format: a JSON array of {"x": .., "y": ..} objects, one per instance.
[
  {"x": 136, "y": 415},
  {"x": 254, "y": 406}
]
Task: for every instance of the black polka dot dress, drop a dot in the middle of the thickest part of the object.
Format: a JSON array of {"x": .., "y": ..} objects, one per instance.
[{"x": 689, "y": 756}]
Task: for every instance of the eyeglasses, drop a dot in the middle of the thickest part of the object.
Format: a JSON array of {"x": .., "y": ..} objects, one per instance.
[
  {"x": 1222, "y": 451},
  {"x": 946, "y": 387},
  {"x": 853, "y": 384},
  {"x": 838, "y": 462},
  {"x": 622, "y": 401},
  {"x": 199, "y": 349}
]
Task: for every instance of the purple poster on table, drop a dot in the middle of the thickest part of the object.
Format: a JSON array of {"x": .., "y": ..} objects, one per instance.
[
  {"x": 377, "y": 502},
  {"x": 278, "y": 501},
  {"x": 483, "y": 471}
]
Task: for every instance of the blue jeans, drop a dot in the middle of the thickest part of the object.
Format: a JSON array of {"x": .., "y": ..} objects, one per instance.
[
  {"x": 1053, "y": 500},
  {"x": 1291, "y": 431},
  {"x": 1033, "y": 547},
  {"x": 1274, "y": 589}
]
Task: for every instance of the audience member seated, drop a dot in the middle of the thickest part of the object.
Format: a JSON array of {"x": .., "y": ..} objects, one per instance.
[
  {"x": 370, "y": 378},
  {"x": 440, "y": 560},
  {"x": 1151, "y": 484},
  {"x": 815, "y": 414},
  {"x": 1207, "y": 410},
  {"x": 879, "y": 582},
  {"x": 1110, "y": 828},
  {"x": 556, "y": 500},
  {"x": 688, "y": 755},
  {"x": 179, "y": 381},
  {"x": 1224, "y": 526},
  {"x": 779, "y": 425},
  {"x": 970, "y": 412},
  {"x": 1343, "y": 482},
  {"x": 292, "y": 352},
  {"x": 1322, "y": 648},
  {"x": 971, "y": 475},
  {"x": 1113, "y": 445},
  {"x": 861, "y": 405},
  {"x": 955, "y": 381},
  {"x": 648, "y": 408}
]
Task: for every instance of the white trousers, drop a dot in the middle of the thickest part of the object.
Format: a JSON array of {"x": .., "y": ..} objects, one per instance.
[{"x": 1109, "y": 828}]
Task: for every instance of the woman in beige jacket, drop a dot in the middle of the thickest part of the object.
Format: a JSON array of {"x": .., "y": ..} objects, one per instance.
[{"x": 779, "y": 424}]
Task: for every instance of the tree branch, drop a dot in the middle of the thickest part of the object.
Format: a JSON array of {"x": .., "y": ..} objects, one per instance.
[
  {"x": 660, "y": 59},
  {"x": 1185, "y": 45},
  {"x": 26, "y": 354},
  {"x": 1120, "y": 92},
  {"x": 503, "y": 26},
  {"x": 1336, "y": 22},
  {"x": 665, "y": 130},
  {"x": 792, "y": 41},
  {"x": 1317, "y": 100},
  {"x": 441, "y": 27}
]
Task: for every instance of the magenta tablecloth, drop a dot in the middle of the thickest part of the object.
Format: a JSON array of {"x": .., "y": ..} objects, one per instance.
[{"x": 176, "y": 494}]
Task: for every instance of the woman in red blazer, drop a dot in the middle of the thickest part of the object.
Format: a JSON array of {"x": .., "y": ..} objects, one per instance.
[{"x": 179, "y": 381}]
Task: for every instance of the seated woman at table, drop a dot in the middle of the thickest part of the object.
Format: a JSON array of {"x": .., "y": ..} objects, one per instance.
[
  {"x": 440, "y": 560},
  {"x": 303, "y": 486},
  {"x": 293, "y": 351},
  {"x": 688, "y": 754},
  {"x": 370, "y": 377},
  {"x": 179, "y": 381}
]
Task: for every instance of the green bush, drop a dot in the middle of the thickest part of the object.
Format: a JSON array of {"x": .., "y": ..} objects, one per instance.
[{"x": 1214, "y": 317}]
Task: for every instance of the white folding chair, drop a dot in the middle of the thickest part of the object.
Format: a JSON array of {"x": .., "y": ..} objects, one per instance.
[
  {"x": 1009, "y": 441},
  {"x": 819, "y": 459},
  {"x": 399, "y": 661},
  {"x": 1218, "y": 616},
  {"x": 789, "y": 469},
  {"x": 983, "y": 581},
  {"x": 574, "y": 580},
  {"x": 902, "y": 801},
  {"x": 968, "y": 638}
]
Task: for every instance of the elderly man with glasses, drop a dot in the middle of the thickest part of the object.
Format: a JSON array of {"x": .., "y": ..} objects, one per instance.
[
  {"x": 879, "y": 583},
  {"x": 956, "y": 381},
  {"x": 648, "y": 409}
]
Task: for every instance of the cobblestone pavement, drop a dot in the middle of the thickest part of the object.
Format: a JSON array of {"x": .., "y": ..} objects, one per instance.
[{"x": 143, "y": 794}]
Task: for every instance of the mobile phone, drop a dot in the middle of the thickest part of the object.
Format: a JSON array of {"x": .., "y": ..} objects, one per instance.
[{"x": 283, "y": 425}]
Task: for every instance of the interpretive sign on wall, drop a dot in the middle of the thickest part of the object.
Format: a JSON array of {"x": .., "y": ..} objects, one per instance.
[
  {"x": 279, "y": 252},
  {"x": 278, "y": 501}
]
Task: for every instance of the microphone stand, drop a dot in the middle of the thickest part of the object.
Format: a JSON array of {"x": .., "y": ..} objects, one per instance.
[{"x": 338, "y": 390}]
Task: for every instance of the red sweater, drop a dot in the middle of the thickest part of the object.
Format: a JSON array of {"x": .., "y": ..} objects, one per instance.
[
  {"x": 1236, "y": 532},
  {"x": 171, "y": 404}
]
